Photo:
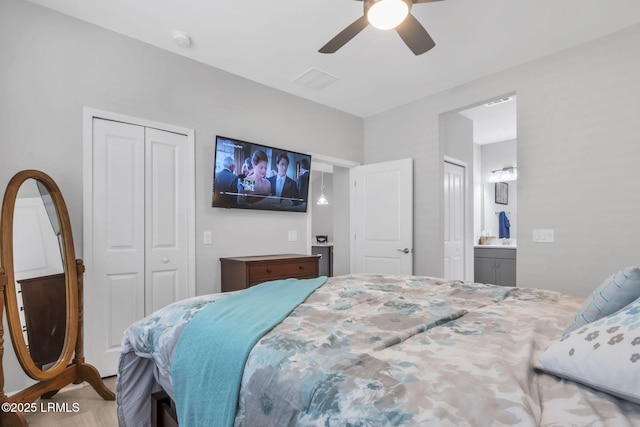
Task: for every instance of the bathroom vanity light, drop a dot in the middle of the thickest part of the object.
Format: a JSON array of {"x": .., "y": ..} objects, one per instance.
[{"x": 505, "y": 174}]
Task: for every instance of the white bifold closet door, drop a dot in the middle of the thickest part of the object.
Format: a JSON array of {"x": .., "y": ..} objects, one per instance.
[{"x": 139, "y": 228}]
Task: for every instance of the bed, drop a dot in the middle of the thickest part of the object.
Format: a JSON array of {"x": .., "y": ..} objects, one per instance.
[{"x": 377, "y": 350}]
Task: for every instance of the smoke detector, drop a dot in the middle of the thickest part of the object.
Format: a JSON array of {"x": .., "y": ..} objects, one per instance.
[{"x": 181, "y": 38}]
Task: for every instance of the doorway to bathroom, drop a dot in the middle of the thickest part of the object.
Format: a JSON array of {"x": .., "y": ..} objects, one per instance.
[
  {"x": 484, "y": 137},
  {"x": 495, "y": 157}
]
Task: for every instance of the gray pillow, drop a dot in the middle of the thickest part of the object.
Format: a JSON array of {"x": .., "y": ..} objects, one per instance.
[{"x": 618, "y": 291}]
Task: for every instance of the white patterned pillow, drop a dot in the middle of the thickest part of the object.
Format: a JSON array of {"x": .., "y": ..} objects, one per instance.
[
  {"x": 619, "y": 290},
  {"x": 604, "y": 354}
]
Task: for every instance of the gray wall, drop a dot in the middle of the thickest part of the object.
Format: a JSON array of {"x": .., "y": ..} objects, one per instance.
[{"x": 578, "y": 147}]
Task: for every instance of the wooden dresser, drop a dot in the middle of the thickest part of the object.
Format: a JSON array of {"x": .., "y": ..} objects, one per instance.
[
  {"x": 244, "y": 272},
  {"x": 44, "y": 307}
]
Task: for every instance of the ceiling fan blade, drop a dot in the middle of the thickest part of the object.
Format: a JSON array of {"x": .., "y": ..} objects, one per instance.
[
  {"x": 415, "y": 36},
  {"x": 345, "y": 35}
]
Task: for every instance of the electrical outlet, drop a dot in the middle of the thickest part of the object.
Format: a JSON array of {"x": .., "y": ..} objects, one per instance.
[
  {"x": 293, "y": 235},
  {"x": 207, "y": 238},
  {"x": 543, "y": 236}
]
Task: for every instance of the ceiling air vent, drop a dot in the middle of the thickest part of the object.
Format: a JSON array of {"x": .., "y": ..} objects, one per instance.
[{"x": 315, "y": 79}]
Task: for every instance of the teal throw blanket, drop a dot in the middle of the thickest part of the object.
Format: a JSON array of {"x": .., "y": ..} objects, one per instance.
[{"x": 210, "y": 356}]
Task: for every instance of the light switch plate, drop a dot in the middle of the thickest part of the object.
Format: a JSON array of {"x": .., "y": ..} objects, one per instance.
[
  {"x": 293, "y": 235},
  {"x": 543, "y": 236},
  {"x": 207, "y": 238}
]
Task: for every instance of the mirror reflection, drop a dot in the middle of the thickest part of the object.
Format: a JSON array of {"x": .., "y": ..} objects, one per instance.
[
  {"x": 493, "y": 207},
  {"x": 39, "y": 273}
]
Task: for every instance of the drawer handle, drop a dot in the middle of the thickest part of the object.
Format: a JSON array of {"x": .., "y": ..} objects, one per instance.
[
  {"x": 301, "y": 267},
  {"x": 269, "y": 270}
]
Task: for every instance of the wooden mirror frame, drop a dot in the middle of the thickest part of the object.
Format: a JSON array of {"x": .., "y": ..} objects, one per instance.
[
  {"x": 70, "y": 366},
  {"x": 71, "y": 282}
]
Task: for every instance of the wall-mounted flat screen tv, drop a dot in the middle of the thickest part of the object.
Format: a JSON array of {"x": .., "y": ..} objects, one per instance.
[{"x": 255, "y": 176}]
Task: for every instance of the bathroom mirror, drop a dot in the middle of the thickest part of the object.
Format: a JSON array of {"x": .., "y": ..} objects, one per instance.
[
  {"x": 42, "y": 292},
  {"x": 491, "y": 210}
]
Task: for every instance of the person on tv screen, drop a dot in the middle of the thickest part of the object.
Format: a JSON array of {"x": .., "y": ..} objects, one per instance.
[
  {"x": 255, "y": 182},
  {"x": 247, "y": 167},
  {"x": 226, "y": 182},
  {"x": 281, "y": 185}
]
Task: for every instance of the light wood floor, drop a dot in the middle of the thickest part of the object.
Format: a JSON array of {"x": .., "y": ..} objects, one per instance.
[{"x": 92, "y": 411}]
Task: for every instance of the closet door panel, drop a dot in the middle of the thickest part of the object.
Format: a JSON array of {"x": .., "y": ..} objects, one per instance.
[
  {"x": 118, "y": 234},
  {"x": 166, "y": 222}
]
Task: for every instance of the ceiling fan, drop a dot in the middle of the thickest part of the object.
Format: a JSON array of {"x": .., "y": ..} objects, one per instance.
[{"x": 385, "y": 15}]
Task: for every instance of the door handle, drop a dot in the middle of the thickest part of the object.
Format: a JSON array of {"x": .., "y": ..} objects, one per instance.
[{"x": 404, "y": 251}]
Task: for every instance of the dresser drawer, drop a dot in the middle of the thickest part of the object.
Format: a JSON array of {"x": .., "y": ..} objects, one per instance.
[
  {"x": 243, "y": 272},
  {"x": 273, "y": 271}
]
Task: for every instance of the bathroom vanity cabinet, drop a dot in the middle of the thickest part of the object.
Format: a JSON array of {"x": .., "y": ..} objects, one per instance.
[{"x": 495, "y": 265}]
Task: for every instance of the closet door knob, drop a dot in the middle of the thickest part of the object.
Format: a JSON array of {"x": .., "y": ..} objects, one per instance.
[{"x": 165, "y": 260}]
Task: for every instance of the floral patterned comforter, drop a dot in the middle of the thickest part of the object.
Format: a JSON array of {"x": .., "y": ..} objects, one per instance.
[{"x": 371, "y": 350}]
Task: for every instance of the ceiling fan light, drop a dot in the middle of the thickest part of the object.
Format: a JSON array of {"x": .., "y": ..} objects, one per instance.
[{"x": 387, "y": 14}]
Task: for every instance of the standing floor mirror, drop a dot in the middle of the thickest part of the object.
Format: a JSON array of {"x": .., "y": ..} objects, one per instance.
[{"x": 41, "y": 291}]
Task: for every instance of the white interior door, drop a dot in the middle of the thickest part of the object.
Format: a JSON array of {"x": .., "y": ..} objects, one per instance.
[
  {"x": 166, "y": 243},
  {"x": 138, "y": 223},
  {"x": 454, "y": 259},
  {"x": 115, "y": 276},
  {"x": 382, "y": 218}
]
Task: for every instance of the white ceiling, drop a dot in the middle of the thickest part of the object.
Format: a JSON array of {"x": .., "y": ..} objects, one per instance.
[
  {"x": 494, "y": 123},
  {"x": 273, "y": 42}
]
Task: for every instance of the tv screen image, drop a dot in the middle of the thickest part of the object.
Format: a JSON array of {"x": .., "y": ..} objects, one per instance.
[{"x": 254, "y": 176}]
